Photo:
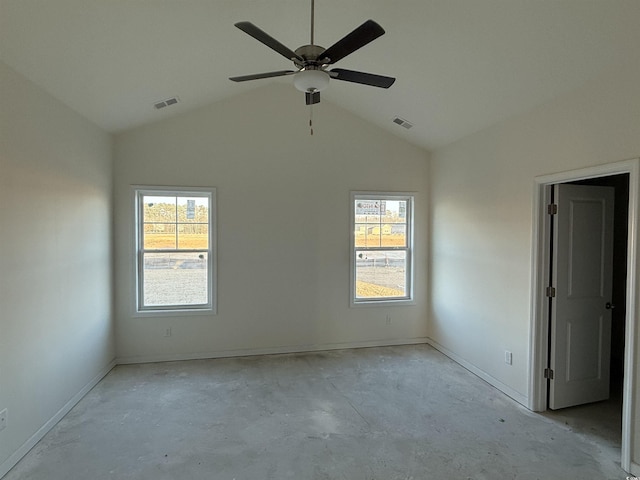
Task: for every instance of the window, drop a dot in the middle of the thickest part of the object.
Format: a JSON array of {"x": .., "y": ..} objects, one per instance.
[
  {"x": 175, "y": 249},
  {"x": 381, "y": 248}
]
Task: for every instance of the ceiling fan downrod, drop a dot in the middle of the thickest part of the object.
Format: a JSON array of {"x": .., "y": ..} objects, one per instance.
[{"x": 313, "y": 3}]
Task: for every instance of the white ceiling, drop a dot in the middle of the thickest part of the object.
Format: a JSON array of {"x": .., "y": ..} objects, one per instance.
[{"x": 461, "y": 65}]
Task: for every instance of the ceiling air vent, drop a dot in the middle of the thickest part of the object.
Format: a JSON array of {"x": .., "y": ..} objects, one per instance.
[
  {"x": 403, "y": 123},
  {"x": 166, "y": 103}
]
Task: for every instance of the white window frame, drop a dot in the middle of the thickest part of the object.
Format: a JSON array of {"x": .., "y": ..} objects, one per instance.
[
  {"x": 408, "y": 299},
  {"x": 139, "y": 191}
]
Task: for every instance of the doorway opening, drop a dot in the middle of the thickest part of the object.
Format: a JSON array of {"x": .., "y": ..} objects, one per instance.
[
  {"x": 601, "y": 417},
  {"x": 623, "y": 178},
  {"x": 620, "y": 184}
]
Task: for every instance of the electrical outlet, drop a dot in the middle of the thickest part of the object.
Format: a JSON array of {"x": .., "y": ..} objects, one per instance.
[
  {"x": 508, "y": 357},
  {"x": 3, "y": 419},
  {"x": 167, "y": 332}
]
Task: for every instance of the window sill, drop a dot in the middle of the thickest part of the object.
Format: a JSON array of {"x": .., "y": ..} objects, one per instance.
[
  {"x": 382, "y": 303},
  {"x": 174, "y": 313}
]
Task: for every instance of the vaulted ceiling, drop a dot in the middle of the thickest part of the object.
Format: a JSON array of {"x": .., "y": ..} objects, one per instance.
[{"x": 461, "y": 65}]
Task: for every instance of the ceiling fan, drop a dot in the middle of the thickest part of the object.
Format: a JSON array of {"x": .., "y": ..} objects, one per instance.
[{"x": 313, "y": 60}]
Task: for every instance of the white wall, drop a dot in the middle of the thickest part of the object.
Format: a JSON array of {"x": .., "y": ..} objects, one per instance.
[
  {"x": 56, "y": 329},
  {"x": 283, "y": 225},
  {"x": 481, "y": 203}
]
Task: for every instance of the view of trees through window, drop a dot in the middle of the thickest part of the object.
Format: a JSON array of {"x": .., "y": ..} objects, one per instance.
[{"x": 175, "y": 223}]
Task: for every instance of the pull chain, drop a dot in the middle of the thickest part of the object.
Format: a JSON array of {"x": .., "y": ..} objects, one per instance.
[{"x": 310, "y": 119}]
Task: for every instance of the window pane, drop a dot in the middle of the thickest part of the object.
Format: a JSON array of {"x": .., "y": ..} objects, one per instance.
[
  {"x": 369, "y": 211},
  {"x": 381, "y": 274},
  {"x": 193, "y": 209},
  {"x": 175, "y": 279},
  {"x": 193, "y": 236},
  {"x": 159, "y": 235},
  {"x": 394, "y": 235},
  {"x": 158, "y": 209},
  {"x": 396, "y": 211},
  {"x": 367, "y": 235}
]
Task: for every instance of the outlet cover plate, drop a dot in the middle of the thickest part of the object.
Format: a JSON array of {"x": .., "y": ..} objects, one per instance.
[
  {"x": 508, "y": 357},
  {"x": 3, "y": 419}
]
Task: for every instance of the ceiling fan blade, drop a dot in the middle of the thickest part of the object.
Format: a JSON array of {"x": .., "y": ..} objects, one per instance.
[
  {"x": 250, "y": 29},
  {"x": 365, "y": 33},
  {"x": 256, "y": 76},
  {"x": 361, "y": 77},
  {"x": 312, "y": 98}
]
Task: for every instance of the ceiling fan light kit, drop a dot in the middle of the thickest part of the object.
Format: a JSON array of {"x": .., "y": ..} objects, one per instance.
[
  {"x": 311, "y": 80},
  {"x": 312, "y": 61}
]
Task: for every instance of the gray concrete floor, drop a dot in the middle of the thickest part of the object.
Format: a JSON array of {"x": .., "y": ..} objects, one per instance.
[{"x": 367, "y": 414}]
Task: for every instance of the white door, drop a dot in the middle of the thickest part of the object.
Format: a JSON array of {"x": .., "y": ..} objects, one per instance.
[{"x": 580, "y": 313}]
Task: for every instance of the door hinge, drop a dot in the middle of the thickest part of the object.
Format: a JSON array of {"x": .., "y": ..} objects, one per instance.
[
  {"x": 552, "y": 208},
  {"x": 548, "y": 373},
  {"x": 551, "y": 292}
]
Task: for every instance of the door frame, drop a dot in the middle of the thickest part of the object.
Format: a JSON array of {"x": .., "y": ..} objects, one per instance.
[{"x": 538, "y": 331}]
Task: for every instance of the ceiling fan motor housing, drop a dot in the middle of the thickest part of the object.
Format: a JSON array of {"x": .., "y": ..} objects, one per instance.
[{"x": 311, "y": 55}]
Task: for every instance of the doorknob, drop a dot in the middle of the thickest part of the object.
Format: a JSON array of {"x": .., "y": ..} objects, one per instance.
[{"x": 609, "y": 306}]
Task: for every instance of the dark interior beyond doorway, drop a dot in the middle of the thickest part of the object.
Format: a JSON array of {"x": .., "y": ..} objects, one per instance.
[{"x": 620, "y": 237}]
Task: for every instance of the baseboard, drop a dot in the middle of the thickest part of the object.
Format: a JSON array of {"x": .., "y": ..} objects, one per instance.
[
  {"x": 507, "y": 390},
  {"x": 132, "y": 359},
  {"x": 10, "y": 462}
]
